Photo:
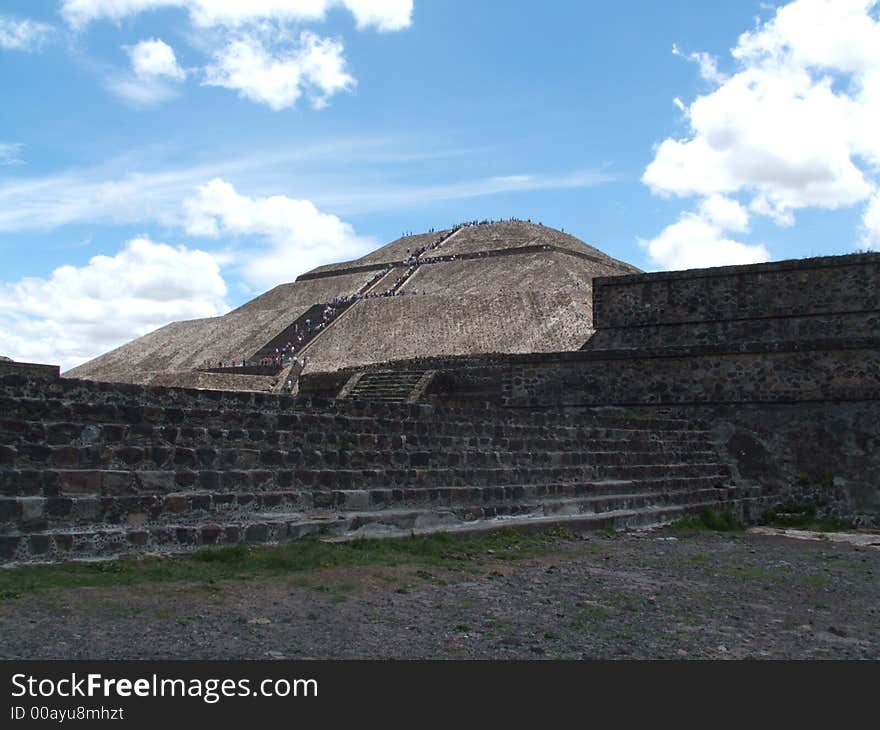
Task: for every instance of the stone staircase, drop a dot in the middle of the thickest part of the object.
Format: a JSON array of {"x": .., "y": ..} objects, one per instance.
[
  {"x": 391, "y": 386},
  {"x": 95, "y": 470},
  {"x": 289, "y": 333}
]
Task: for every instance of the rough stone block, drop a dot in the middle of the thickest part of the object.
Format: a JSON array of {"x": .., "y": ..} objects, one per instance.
[
  {"x": 32, "y": 508},
  {"x": 8, "y": 455},
  {"x": 185, "y": 479},
  {"x": 80, "y": 482},
  {"x": 160, "y": 455},
  {"x": 211, "y": 534},
  {"x": 10, "y": 509},
  {"x": 356, "y": 499},
  {"x": 234, "y": 480},
  {"x": 155, "y": 481},
  {"x": 257, "y": 533},
  {"x": 9, "y": 546},
  {"x": 186, "y": 535},
  {"x": 200, "y": 501},
  {"x": 184, "y": 457},
  {"x": 86, "y": 508},
  {"x": 38, "y": 544},
  {"x": 209, "y": 480},
  {"x": 116, "y": 482},
  {"x": 206, "y": 456},
  {"x": 139, "y": 537}
]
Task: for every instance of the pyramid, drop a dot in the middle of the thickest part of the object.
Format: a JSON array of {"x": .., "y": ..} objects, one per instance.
[{"x": 477, "y": 288}]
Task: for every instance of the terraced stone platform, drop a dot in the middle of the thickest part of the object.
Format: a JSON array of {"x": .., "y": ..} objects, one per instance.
[
  {"x": 504, "y": 287},
  {"x": 97, "y": 470}
]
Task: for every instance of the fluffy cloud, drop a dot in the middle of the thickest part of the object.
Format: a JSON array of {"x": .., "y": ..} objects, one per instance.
[
  {"x": 697, "y": 241},
  {"x": 80, "y": 312},
  {"x": 252, "y": 45},
  {"x": 725, "y": 213},
  {"x": 153, "y": 67},
  {"x": 299, "y": 236},
  {"x": 154, "y": 58},
  {"x": 22, "y": 35},
  {"x": 795, "y": 125},
  {"x": 384, "y": 15},
  {"x": 315, "y": 65}
]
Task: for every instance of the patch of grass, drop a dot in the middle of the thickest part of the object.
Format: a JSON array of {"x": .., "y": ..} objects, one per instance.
[
  {"x": 501, "y": 624},
  {"x": 803, "y": 516},
  {"x": 817, "y": 581},
  {"x": 585, "y": 617},
  {"x": 244, "y": 562},
  {"x": 228, "y": 554},
  {"x": 709, "y": 519},
  {"x": 748, "y": 572}
]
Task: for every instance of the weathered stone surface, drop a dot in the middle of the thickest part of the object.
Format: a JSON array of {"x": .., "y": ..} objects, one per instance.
[
  {"x": 513, "y": 286},
  {"x": 563, "y": 435}
]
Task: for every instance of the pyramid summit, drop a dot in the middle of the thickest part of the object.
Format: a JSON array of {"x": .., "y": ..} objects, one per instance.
[{"x": 476, "y": 288}]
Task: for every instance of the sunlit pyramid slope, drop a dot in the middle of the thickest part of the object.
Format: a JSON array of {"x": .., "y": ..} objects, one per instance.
[{"x": 509, "y": 287}]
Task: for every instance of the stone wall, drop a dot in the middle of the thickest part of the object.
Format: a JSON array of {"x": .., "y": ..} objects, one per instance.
[
  {"x": 787, "y": 301},
  {"x": 688, "y": 377},
  {"x": 92, "y": 469},
  {"x": 783, "y": 359}
]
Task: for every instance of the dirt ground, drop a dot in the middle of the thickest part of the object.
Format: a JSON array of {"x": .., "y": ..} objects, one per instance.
[{"x": 652, "y": 594}]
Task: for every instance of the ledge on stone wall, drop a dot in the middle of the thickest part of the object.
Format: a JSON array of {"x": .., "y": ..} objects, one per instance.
[{"x": 30, "y": 369}]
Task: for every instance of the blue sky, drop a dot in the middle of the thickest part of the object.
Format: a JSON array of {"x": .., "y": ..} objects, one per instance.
[{"x": 170, "y": 159}]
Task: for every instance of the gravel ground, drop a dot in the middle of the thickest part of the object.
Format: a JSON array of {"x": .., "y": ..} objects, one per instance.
[{"x": 653, "y": 594}]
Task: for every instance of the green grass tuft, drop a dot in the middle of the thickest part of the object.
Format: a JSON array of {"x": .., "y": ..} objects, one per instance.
[
  {"x": 803, "y": 516},
  {"x": 237, "y": 562},
  {"x": 709, "y": 519}
]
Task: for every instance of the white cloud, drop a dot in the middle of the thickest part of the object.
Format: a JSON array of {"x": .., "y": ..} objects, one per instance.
[
  {"x": 725, "y": 213},
  {"x": 278, "y": 78},
  {"x": 252, "y": 45},
  {"x": 708, "y": 64},
  {"x": 299, "y": 236},
  {"x": 23, "y": 35},
  {"x": 384, "y": 15},
  {"x": 80, "y": 312},
  {"x": 10, "y": 153},
  {"x": 155, "y": 58},
  {"x": 795, "y": 125},
  {"x": 154, "y": 68},
  {"x": 697, "y": 242},
  {"x": 871, "y": 224}
]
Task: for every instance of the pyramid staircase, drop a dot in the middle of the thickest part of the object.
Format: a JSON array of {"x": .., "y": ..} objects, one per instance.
[{"x": 390, "y": 386}]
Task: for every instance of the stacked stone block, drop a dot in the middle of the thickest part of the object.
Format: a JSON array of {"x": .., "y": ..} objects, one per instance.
[{"x": 91, "y": 469}]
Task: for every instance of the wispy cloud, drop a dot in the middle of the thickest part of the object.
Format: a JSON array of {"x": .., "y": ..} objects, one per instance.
[
  {"x": 381, "y": 197},
  {"x": 23, "y": 35},
  {"x": 108, "y": 194},
  {"x": 10, "y": 153}
]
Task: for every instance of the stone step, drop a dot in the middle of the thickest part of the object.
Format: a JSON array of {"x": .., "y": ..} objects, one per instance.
[
  {"x": 40, "y": 409},
  {"x": 108, "y": 542},
  {"x": 208, "y": 452},
  {"x": 106, "y": 482},
  {"x": 38, "y": 513},
  {"x": 59, "y": 433},
  {"x": 208, "y": 457}
]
